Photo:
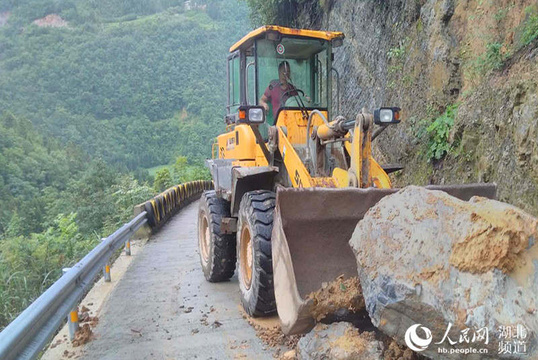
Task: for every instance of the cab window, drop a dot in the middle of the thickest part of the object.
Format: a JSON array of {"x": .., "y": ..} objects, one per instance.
[
  {"x": 307, "y": 60},
  {"x": 233, "y": 83}
]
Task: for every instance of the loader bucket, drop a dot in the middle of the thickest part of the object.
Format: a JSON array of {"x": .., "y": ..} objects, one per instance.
[{"x": 311, "y": 231}]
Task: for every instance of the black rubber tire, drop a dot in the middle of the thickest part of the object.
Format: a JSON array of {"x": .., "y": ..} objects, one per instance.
[
  {"x": 256, "y": 212},
  {"x": 219, "y": 265},
  {"x": 152, "y": 222}
]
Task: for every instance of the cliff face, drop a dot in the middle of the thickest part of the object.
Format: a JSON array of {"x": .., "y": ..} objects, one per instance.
[{"x": 465, "y": 74}]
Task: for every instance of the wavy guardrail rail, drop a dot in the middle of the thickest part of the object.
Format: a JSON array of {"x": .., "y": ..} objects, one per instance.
[{"x": 27, "y": 335}]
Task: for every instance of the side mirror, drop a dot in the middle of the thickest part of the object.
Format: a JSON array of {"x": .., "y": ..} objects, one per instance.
[
  {"x": 251, "y": 115},
  {"x": 387, "y": 115}
]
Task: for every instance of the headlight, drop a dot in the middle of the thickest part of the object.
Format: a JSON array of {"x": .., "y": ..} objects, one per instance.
[
  {"x": 387, "y": 115},
  {"x": 255, "y": 115},
  {"x": 337, "y": 42}
]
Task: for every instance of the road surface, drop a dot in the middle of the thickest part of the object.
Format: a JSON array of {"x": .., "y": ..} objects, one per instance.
[{"x": 163, "y": 308}]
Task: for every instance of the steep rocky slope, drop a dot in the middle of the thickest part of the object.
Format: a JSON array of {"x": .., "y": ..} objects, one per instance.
[{"x": 463, "y": 71}]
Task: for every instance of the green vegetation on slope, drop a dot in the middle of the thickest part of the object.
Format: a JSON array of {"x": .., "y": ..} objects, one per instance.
[
  {"x": 57, "y": 204},
  {"x": 86, "y": 108},
  {"x": 135, "y": 93}
]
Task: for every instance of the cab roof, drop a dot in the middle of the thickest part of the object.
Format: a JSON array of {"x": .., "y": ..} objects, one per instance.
[{"x": 247, "y": 40}]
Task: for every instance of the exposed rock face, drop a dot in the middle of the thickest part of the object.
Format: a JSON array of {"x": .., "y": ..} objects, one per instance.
[
  {"x": 425, "y": 257},
  {"x": 51, "y": 20},
  {"x": 339, "y": 341},
  {"x": 4, "y": 17},
  {"x": 425, "y": 55}
]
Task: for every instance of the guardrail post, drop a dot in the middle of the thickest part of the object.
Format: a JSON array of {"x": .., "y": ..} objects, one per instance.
[
  {"x": 128, "y": 247},
  {"x": 106, "y": 268},
  {"x": 72, "y": 317},
  {"x": 106, "y": 272}
]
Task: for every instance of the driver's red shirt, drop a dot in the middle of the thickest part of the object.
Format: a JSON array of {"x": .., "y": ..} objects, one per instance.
[{"x": 274, "y": 93}]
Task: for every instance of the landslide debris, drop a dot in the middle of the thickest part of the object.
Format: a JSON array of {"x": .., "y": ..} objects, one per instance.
[
  {"x": 398, "y": 352},
  {"x": 336, "y": 295},
  {"x": 84, "y": 334},
  {"x": 270, "y": 333},
  {"x": 425, "y": 257},
  {"x": 339, "y": 341}
]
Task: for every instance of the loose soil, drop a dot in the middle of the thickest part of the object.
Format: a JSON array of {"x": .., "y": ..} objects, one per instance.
[
  {"x": 338, "y": 294},
  {"x": 398, "y": 352},
  {"x": 83, "y": 335},
  {"x": 270, "y": 333}
]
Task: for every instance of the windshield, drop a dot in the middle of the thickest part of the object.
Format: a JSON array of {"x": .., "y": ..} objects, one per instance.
[{"x": 292, "y": 71}]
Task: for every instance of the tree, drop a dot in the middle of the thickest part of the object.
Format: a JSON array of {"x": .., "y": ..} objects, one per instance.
[
  {"x": 179, "y": 169},
  {"x": 163, "y": 180}
]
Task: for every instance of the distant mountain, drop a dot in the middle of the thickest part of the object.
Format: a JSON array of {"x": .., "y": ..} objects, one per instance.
[{"x": 134, "y": 82}]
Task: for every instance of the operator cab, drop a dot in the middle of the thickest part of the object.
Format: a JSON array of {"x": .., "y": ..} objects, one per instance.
[{"x": 278, "y": 69}]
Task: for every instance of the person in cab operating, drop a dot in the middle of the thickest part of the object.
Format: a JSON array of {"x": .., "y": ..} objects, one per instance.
[{"x": 279, "y": 91}]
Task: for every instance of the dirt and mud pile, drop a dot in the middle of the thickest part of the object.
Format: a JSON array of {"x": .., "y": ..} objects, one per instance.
[
  {"x": 462, "y": 270},
  {"x": 268, "y": 330},
  {"x": 87, "y": 322},
  {"x": 338, "y": 295}
]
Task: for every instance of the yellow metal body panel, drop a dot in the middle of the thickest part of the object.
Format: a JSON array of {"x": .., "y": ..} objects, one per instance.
[
  {"x": 235, "y": 144},
  {"x": 298, "y": 173},
  {"x": 380, "y": 178},
  {"x": 239, "y": 143},
  {"x": 325, "y": 35},
  {"x": 296, "y": 125},
  {"x": 341, "y": 177}
]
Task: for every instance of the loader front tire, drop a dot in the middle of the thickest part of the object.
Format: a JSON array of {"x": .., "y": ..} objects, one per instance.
[
  {"x": 254, "y": 228},
  {"x": 217, "y": 251}
]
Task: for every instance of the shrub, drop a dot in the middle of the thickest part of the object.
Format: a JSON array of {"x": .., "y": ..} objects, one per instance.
[{"x": 439, "y": 134}]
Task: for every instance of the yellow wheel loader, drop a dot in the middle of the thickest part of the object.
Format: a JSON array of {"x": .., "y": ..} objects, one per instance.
[{"x": 291, "y": 176}]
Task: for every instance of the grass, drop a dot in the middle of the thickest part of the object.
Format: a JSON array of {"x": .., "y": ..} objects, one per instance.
[
  {"x": 493, "y": 59},
  {"x": 530, "y": 27},
  {"x": 396, "y": 56},
  {"x": 497, "y": 54}
]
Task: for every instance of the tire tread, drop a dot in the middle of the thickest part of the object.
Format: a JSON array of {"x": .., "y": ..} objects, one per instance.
[
  {"x": 259, "y": 206},
  {"x": 222, "y": 263}
]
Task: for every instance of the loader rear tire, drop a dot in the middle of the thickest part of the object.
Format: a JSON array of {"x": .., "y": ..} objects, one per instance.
[
  {"x": 254, "y": 228},
  {"x": 217, "y": 251}
]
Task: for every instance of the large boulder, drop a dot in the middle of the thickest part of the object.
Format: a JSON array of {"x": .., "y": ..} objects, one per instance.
[
  {"x": 428, "y": 262},
  {"x": 339, "y": 341}
]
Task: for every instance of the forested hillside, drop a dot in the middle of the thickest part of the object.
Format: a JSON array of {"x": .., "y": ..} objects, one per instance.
[
  {"x": 92, "y": 94},
  {"x": 124, "y": 80}
]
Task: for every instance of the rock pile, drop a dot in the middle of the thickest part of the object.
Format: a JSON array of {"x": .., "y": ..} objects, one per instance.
[{"x": 465, "y": 271}]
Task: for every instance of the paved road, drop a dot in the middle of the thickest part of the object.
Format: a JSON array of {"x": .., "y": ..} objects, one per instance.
[{"x": 147, "y": 315}]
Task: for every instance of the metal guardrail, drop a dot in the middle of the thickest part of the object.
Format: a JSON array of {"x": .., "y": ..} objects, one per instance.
[{"x": 27, "y": 335}]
